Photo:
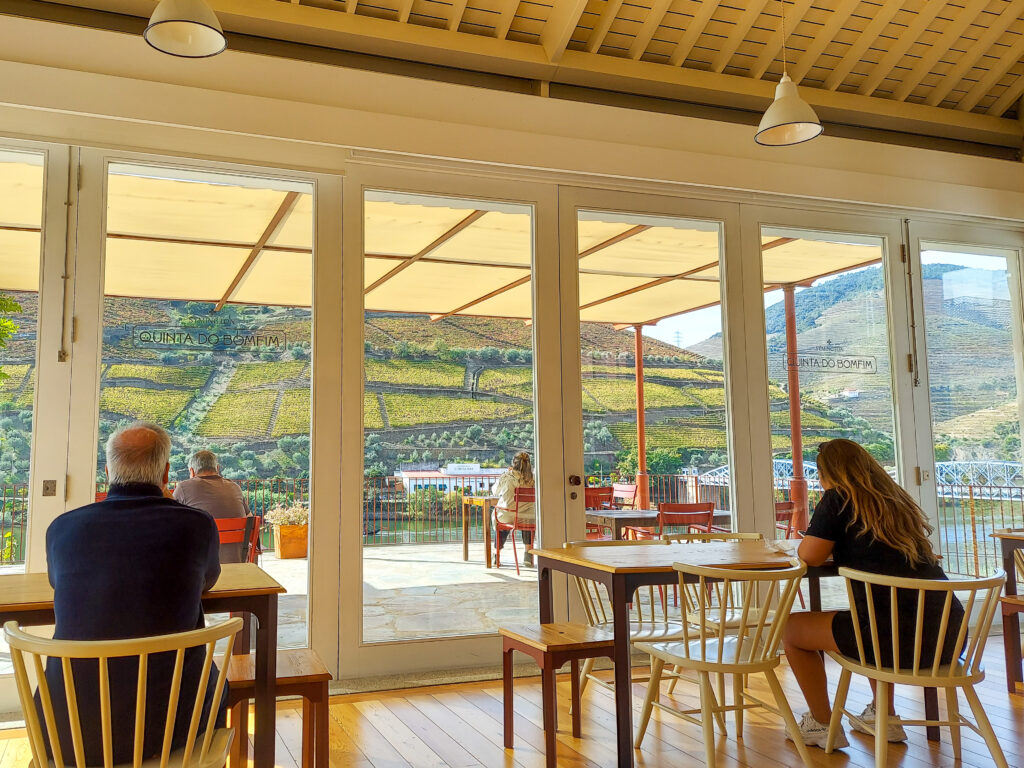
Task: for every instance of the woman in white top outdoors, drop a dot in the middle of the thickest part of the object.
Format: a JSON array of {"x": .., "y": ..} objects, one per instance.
[{"x": 519, "y": 475}]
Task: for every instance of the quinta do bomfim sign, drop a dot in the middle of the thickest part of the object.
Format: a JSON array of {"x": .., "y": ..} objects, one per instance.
[
  {"x": 166, "y": 337},
  {"x": 823, "y": 362}
]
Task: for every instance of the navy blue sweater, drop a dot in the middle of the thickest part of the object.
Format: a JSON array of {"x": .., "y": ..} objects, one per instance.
[{"x": 133, "y": 565}]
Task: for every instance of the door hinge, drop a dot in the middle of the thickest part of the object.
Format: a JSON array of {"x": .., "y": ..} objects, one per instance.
[
  {"x": 67, "y": 485},
  {"x": 910, "y": 363},
  {"x": 903, "y": 253}
]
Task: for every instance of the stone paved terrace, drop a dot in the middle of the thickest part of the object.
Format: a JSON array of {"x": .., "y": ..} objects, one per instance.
[{"x": 416, "y": 590}]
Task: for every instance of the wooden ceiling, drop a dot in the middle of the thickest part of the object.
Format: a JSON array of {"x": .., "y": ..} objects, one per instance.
[{"x": 928, "y": 67}]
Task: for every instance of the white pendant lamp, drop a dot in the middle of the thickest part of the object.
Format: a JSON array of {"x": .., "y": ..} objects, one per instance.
[
  {"x": 789, "y": 119},
  {"x": 186, "y": 28}
]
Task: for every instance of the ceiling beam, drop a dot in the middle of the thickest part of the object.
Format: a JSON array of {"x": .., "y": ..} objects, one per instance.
[
  {"x": 776, "y": 243},
  {"x": 751, "y": 10},
  {"x": 1008, "y": 99},
  {"x": 557, "y": 30},
  {"x": 506, "y": 16},
  {"x": 940, "y": 47},
  {"x": 773, "y": 46},
  {"x": 896, "y": 50},
  {"x": 458, "y": 11},
  {"x": 655, "y": 15},
  {"x": 273, "y": 227},
  {"x": 861, "y": 43},
  {"x": 803, "y": 63},
  {"x": 433, "y": 246},
  {"x": 604, "y": 23},
  {"x": 980, "y": 89},
  {"x": 496, "y": 292},
  {"x": 694, "y": 29},
  {"x": 404, "y": 10},
  {"x": 350, "y": 6},
  {"x": 986, "y": 40}
]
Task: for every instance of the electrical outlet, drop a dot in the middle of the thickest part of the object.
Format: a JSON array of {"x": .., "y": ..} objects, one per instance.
[{"x": 49, "y": 487}]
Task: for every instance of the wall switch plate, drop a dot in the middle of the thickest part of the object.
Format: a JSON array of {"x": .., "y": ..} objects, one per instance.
[{"x": 49, "y": 487}]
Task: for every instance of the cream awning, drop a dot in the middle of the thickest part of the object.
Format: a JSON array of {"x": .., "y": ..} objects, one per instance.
[{"x": 219, "y": 238}]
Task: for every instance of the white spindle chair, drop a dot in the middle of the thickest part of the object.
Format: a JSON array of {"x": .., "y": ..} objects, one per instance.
[
  {"x": 981, "y": 596},
  {"x": 751, "y": 647},
  {"x": 28, "y": 651}
]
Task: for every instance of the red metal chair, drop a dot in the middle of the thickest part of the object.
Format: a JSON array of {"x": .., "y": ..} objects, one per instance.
[
  {"x": 522, "y": 496},
  {"x": 624, "y": 496},
  {"x": 784, "y": 513},
  {"x": 694, "y": 517},
  {"x": 241, "y": 530},
  {"x": 598, "y": 498}
]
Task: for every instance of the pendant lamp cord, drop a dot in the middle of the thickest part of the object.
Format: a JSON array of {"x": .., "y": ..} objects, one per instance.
[{"x": 785, "y": 53}]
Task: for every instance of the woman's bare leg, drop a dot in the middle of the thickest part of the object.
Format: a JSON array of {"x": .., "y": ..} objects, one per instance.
[{"x": 807, "y": 634}]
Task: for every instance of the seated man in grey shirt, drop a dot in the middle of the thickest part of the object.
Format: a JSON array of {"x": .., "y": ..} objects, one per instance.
[{"x": 208, "y": 491}]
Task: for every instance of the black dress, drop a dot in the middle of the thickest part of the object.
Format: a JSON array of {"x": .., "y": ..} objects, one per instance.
[{"x": 832, "y": 521}]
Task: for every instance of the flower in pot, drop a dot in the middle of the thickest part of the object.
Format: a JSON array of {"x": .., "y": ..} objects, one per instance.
[{"x": 291, "y": 529}]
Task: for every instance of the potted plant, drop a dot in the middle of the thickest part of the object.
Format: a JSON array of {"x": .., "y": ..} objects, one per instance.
[{"x": 291, "y": 529}]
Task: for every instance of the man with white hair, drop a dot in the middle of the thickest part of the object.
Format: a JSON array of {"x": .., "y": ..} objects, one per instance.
[
  {"x": 132, "y": 565},
  {"x": 206, "y": 489}
]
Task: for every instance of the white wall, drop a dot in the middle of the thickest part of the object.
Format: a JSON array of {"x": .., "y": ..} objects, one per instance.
[{"x": 73, "y": 84}]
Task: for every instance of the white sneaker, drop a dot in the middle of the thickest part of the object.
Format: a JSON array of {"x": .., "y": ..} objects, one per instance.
[
  {"x": 815, "y": 734},
  {"x": 865, "y": 723}
]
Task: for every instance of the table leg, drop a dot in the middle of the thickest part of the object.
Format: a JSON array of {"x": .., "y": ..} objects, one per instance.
[
  {"x": 487, "y": 534},
  {"x": 322, "y": 714},
  {"x": 266, "y": 679},
  {"x": 931, "y": 712},
  {"x": 465, "y": 533},
  {"x": 623, "y": 673},
  {"x": 1011, "y": 648},
  {"x": 814, "y": 592},
  {"x": 616, "y": 529},
  {"x": 544, "y": 590},
  {"x": 308, "y": 731},
  {"x": 549, "y": 711}
]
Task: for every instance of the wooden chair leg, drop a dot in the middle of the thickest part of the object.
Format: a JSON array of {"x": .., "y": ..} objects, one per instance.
[
  {"x": 574, "y": 687},
  {"x": 881, "y": 723},
  {"x": 506, "y": 691},
  {"x": 953, "y": 714},
  {"x": 515, "y": 551},
  {"x": 707, "y": 721},
  {"x": 985, "y": 726},
  {"x": 787, "y": 716},
  {"x": 240, "y": 722},
  {"x": 308, "y": 732},
  {"x": 837, "y": 709},
  {"x": 653, "y": 694},
  {"x": 588, "y": 667},
  {"x": 737, "y": 696},
  {"x": 550, "y": 711}
]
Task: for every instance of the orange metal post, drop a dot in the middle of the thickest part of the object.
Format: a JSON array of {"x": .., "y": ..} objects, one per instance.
[
  {"x": 798, "y": 485},
  {"x": 643, "y": 501}
]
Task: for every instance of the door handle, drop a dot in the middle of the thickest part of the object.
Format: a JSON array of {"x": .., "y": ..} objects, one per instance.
[{"x": 574, "y": 480}]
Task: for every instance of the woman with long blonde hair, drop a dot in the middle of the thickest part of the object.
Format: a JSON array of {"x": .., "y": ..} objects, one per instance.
[
  {"x": 518, "y": 475},
  {"x": 865, "y": 521}
]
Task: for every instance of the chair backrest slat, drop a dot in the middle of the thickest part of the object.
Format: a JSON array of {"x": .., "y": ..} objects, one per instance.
[
  {"x": 172, "y": 706},
  {"x": 100, "y": 652},
  {"x": 140, "y": 710},
  {"x": 76, "y": 723},
  {"x": 954, "y": 637},
  {"x": 108, "y": 736}
]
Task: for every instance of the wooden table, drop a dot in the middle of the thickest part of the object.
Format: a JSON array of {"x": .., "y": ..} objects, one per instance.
[
  {"x": 487, "y": 503},
  {"x": 242, "y": 587},
  {"x": 622, "y": 570},
  {"x": 1011, "y": 539},
  {"x": 617, "y": 519}
]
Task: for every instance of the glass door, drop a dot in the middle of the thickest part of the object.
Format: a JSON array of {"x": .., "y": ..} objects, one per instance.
[
  {"x": 454, "y": 464},
  {"x": 651, "y": 410},
  {"x": 195, "y": 310},
  {"x": 971, "y": 365}
]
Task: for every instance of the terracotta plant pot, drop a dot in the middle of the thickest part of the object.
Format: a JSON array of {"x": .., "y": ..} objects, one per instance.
[{"x": 291, "y": 540}]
